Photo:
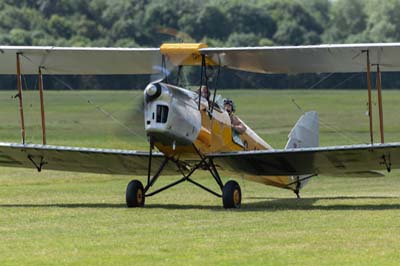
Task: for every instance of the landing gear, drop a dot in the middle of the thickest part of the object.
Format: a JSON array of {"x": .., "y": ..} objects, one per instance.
[
  {"x": 135, "y": 195},
  {"x": 231, "y": 195}
]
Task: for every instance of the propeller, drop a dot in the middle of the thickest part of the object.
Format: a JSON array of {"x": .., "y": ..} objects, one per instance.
[
  {"x": 163, "y": 71},
  {"x": 134, "y": 118}
]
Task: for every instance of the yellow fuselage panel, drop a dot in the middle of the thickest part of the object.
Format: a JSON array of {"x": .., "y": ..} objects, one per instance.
[{"x": 216, "y": 136}]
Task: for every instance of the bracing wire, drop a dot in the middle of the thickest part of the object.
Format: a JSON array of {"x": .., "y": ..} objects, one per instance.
[
  {"x": 336, "y": 130},
  {"x": 347, "y": 79},
  {"x": 321, "y": 80},
  {"x": 99, "y": 108}
]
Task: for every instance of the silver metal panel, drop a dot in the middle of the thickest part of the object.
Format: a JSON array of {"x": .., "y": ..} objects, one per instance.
[
  {"x": 184, "y": 119},
  {"x": 308, "y": 59},
  {"x": 104, "y": 161},
  {"x": 338, "y": 161},
  {"x": 80, "y": 61}
]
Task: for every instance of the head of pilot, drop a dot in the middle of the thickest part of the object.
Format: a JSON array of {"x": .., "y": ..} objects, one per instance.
[
  {"x": 205, "y": 92},
  {"x": 229, "y": 106}
]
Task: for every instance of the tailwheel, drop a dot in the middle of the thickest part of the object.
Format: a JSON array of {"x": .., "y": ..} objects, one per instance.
[
  {"x": 135, "y": 196},
  {"x": 231, "y": 195}
]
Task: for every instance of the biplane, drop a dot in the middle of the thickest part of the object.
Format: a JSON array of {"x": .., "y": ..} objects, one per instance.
[{"x": 188, "y": 133}]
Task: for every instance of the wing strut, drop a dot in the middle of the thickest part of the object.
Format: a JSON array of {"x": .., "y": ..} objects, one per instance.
[
  {"x": 371, "y": 131},
  {"x": 19, "y": 95},
  {"x": 379, "y": 91},
  {"x": 42, "y": 105},
  {"x": 203, "y": 72}
]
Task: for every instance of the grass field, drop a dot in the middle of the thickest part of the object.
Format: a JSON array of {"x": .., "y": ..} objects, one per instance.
[{"x": 62, "y": 218}]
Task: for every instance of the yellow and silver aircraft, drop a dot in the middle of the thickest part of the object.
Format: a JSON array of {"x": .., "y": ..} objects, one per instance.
[{"x": 193, "y": 133}]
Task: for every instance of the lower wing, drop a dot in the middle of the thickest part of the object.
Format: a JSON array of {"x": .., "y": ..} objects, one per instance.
[
  {"x": 352, "y": 160},
  {"x": 105, "y": 161}
]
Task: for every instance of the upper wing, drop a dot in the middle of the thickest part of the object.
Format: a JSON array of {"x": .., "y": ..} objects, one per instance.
[
  {"x": 80, "y": 61},
  {"x": 81, "y": 159},
  {"x": 278, "y": 59},
  {"x": 308, "y": 59},
  {"x": 339, "y": 161}
]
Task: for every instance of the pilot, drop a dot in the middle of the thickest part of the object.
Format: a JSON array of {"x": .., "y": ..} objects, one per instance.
[
  {"x": 236, "y": 124},
  {"x": 205, "y": 92}
]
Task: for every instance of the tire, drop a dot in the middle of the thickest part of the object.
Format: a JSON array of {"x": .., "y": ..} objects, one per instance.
[
  {"x": 135, "y": 196},
  {"x": 231, "y": 195}
]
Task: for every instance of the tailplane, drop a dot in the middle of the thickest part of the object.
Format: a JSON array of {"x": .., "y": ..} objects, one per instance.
[{"x": 304, "y": 134}]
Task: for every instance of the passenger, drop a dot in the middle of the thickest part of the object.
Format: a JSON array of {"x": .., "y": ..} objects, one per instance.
[{"x": 236, "y": 124}]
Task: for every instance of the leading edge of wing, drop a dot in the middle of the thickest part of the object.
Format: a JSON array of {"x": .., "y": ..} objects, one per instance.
[
  {"x": 324, "y": 58},
  {"x": 299, "y": 47},
  {"x": 335, "y": 160},
  {"x": 80, "y": 60},
  {"x": 92, "y": 160}
]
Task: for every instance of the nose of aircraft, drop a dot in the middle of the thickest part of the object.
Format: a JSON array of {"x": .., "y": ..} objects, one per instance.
[
  {"x": 171, "y": 114},
  {"x": 152, "y": 91}
]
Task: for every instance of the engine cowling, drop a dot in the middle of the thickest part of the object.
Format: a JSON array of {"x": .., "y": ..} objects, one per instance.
[{"x": 171, "y": 114}]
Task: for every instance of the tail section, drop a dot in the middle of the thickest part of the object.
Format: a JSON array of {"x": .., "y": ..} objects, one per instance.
[{"x": 304, "y": 134}]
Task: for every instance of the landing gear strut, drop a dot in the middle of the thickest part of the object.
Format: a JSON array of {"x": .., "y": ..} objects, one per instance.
[{"x": 230, "y": 192}]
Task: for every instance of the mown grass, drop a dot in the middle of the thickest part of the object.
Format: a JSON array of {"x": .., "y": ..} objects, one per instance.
[{"x": 54, "y": 218}]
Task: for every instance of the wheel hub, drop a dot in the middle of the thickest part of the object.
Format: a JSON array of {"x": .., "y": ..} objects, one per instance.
[
  {"x": 139, "y": 196},
  {"x": 236, "y": 197}
]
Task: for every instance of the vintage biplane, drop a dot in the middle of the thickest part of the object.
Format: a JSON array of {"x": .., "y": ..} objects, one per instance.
[{"x": 192, "y": 133}]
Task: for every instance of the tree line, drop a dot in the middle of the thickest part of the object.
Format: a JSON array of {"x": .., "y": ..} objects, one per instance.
[{"x": 219, "y": 23}]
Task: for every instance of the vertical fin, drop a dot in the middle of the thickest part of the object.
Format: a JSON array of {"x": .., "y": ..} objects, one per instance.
[{"x": 304, "y": 134}]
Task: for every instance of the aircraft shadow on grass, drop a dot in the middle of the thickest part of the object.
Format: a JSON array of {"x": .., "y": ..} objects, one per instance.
[{"x": 262, "y": 204}]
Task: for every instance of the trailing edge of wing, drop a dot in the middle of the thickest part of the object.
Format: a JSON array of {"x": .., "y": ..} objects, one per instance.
[
  {"x": 80, "y": 61},
  {"x": 104, "y": 161},
  {"x": 353, "y": 160},
  {"x": 308, "y": 59}
]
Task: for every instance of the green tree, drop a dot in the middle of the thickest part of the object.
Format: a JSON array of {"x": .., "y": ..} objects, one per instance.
[
  {"x": 60, "y": 26},
  {"x": 242, "y": 39},
  {"x": 88, "y": 28},
  {"x": 20, "y": 37},
  {"x": 62, "y": 7},
  {"x": 320, "y": 10},
  {"x": 41, "y": 38},
  {"x": 290, "y": 33},
  {"x": 295, "y": 24},
  {"x": 246, "y": 18},
  {"x": 124, "y": 28},
  {"x": 348, "y": 21},
  {"x": 383, "y": 23},
  {"x": 13, "y": 17},
  {"x": 212, "y": 22}
]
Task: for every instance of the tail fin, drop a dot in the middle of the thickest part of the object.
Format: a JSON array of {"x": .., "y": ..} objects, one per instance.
[{"x": 304, "y": 134}]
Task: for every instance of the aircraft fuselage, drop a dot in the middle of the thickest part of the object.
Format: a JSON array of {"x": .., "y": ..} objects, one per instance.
[{"x": 175, "y": 123}]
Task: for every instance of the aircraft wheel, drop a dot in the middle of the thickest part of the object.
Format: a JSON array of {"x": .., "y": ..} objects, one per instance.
[
  {"x": 135, "y": 196},
  {"x": 231, "y": 195}
]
